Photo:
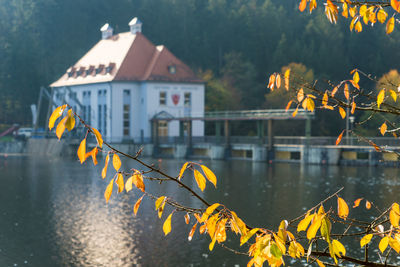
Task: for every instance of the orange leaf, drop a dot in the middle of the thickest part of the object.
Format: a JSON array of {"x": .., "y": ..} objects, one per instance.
[
  {"x": 137, "y": 180},
  {"x": 93, "y": 153},
  {"x": 342, "y": 112},
  {"x": 137, "y": 205},
  {"x": 82, "y": 151},
  {"x": 200, "y": 180},
  {"x": 192, "y": 232},
  {"x": 55, "y": 115},
  {"x": 61, "y": 127},
  {"x": 390, "y": 25},
  {"x": 271, "y": 82},
  {"x": 395, "y": 4},
  {"x": 120, "y": 182},
  {"x": 357, "y": 202},
  {"x": 346, "y": 91},
  {"x": 358, "y": 27},
  {"x": 104, "y": 171},
  {"x": 302, "y": 5},
  {"x": 295, "y": 112},
  {"x": 320, "y": 263},
  {"x": 116, "y": 162},
  {"x": 99, "y": 139},
  {"x": 383, "y": 128},
  {"x": 288, "y": 105},
  {"x": 367, "y": 204},
  {"x": 187, "y": 218},
  {"x": 325, "y": 99},
  {"x": 339, "y": 138},
  {"x": 209, "y": 175},
  {"x": 278, "y": 81},
  {"x": 333, "y": 93},
  {"x": 353, "y": 107},
  {"x": 108, "y": 192},
  {"x": 343, "y": 209}
]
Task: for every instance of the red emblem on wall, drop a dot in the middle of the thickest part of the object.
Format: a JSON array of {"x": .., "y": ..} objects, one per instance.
[{"x": 175, "y": 99}]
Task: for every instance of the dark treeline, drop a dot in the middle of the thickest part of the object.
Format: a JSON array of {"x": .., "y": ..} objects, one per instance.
[{"x": 234, "y": 45}]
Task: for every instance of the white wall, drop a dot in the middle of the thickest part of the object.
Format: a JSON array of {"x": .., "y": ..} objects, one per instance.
[{"x": 145, "y": 103}]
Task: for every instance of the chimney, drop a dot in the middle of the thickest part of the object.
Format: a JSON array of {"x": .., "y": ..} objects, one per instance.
[
  {"x": 106, "y": 31},
  {"x": 136, "y": 25}
]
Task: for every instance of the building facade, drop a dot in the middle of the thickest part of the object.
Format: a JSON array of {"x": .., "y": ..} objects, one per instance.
[{"x": 125, "y": 81}]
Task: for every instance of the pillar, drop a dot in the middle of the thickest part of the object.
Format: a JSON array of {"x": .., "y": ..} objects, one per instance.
[{"x": 227, "y": 132}]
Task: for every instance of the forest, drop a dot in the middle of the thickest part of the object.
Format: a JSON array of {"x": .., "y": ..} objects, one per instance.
[{"x": 232, "y": 44}]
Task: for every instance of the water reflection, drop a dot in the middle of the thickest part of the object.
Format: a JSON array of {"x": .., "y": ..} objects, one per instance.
[{"x": 54, "y": 214}]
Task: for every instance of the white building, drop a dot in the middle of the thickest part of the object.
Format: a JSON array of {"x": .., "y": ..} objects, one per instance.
[{"x": 124, "y": 81}]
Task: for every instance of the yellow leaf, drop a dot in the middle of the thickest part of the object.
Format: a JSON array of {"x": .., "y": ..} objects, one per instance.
[
  {"x": 356, "y": 77},
  {"x": 190, "y": 236},
  {"x": 394, "y": 95},
  {"x": 201, "y": 181},
  {"x": 394, "y": 215},
  {"x": 70, "y": 123},
  {"x": 339, "y": 138},
  {"x": 137, "y": 180},
  {"x": 246, "y": 237},
  {"x": 182, "y": 170},
  {"x": 120, "y": 182},
  {"x": 55, "y": 115},
  {"x": 159, "y": 201},
  {"x": 310, "y": 105},
  {"x": 394, "y": 243},
  {"x": 365, "y": 240},
  {"x": 288, "y": 105},
  {"x": 382, "y": 15},
  {"x": 390, "y": 26},
  {"x": 345, "y": 12},
  {"x": 338, "y": 248},
  {"x": 116, "y": 162},
  {"x": 82, "y": 151},
  {"x": 357, "y": 202},
  {"x": 208, "y": 212},
  {"x": 93, "y": 154},
  {"x": 209, "y": 175},
  {"x": 325, "y": 99},
  {"x": 358, "y": 27},
  {"x": 343, "y": 209},
  {"x": 278, "y": 81},
  {"x": 104, "y": 171},
  {"x": 221, "y": 232},
  {"x": 383, "y": 243},
  {"x": 333, "y": 93},
  {"x": 342, "y": 112},
  {"x": 128, "y": 184},
  {"x": 300, "y": 95},
  {"x": 303, "y": 224},
  {"x": 295, "y": 112},
  {"x": 161, "y": 209},
  {"x": 363, "y": 10},
  {"x": 287, "y": 75},
  {"x": 395, "y": 4},
  {"x": 108, "y": 192},
  {"x": 239, "y": 223},
  {"x": 353, "y": 11},
  {"x": 137, "y": 205},
  {"x": 99, "y": 139},
  {"x": 211, "y": 245},
  {"x": 367, "y": 204},
  {"x": 320, "y": 263},
  {"x": 61, "y": 127},
  {"x": 383, "y": 128},
  {"x": 302, "y": 5},
  {"x": 167, "y": 225},
  {"x": 315, "y": 225}
]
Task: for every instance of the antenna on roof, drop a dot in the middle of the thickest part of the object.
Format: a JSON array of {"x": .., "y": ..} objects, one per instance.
[
  {"x": 136, "y": 25},
  {"x": 106, "y": 31}
]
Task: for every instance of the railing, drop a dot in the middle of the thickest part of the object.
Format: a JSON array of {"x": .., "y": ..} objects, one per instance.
[{"x": 254, "y": 114}]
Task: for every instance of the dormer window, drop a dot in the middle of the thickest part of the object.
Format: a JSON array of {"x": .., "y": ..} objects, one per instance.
[
  {"x": 135, "y": 25},
  {"x": 70, "y": 74},
  {"x": 172, "y": 69}
]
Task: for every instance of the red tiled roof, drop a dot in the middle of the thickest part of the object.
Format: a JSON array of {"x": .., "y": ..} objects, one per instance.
[{"x": 127, "y": 57}]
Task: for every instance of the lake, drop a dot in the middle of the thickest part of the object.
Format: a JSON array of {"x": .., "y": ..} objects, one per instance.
[{"x": 53, "y": 212}]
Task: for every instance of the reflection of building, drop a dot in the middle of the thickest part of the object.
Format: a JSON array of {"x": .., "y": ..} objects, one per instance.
[{"x": 125, "y": 80}]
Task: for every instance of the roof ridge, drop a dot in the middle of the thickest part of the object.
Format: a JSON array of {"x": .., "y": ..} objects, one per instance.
[{"x": 156, "y": 55}]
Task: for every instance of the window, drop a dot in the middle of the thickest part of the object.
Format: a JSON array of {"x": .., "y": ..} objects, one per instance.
[
  {"x": 187, "y": 100},
  {"x": 163, "y": 98},
  {"x": 162, "y": 128},
  {"x": 126, "y": 112},
  {"x": 86, "y": 108}
]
